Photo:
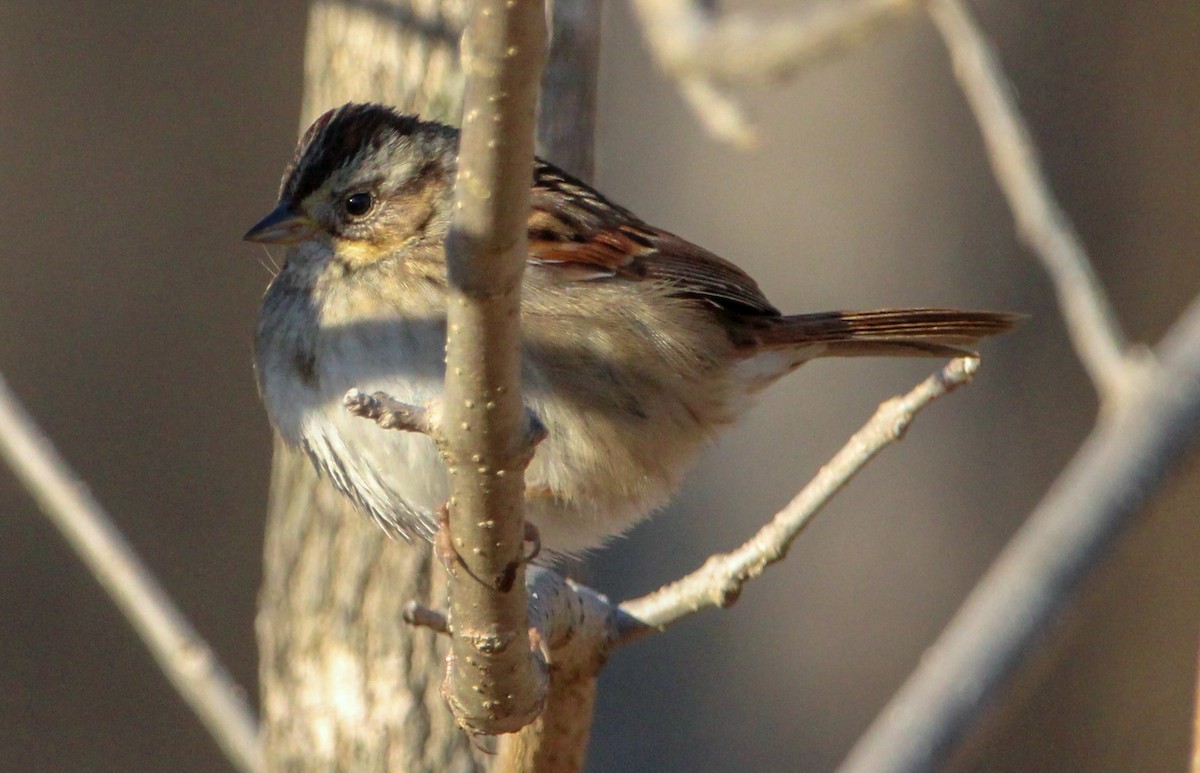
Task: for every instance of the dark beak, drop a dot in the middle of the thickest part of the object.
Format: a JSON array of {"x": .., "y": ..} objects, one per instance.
[{"x": 285, "y": 225}]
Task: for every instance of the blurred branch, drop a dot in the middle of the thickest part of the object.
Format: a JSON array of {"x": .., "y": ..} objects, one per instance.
[
  {"x": 493, "y": 683},
  {"x": 1153, "y": 418},
  {"x": 1120, "y": 465},
  {"x": 1041, "y": 222},
  {"x": 184, "y": 657},
  {"x": 708, "y": 54},
  {"x": 1195, "y": 767},
  {"x": 720, "y": 581},
  {"x": 566, "y": 117}
]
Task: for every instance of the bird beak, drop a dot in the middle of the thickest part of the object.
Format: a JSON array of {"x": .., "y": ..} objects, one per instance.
[{"x": 285, "y": 225}]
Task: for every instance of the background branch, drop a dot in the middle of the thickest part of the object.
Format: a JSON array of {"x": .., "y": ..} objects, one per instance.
[
  {"x": 1041, "y": 222},
  {"x": 1148, "y": 431},
  {"x": 185, "y": 658},
  {"x": 566, "y": 115},
  {"x": 1023, "y": 594},
  {"x": 707, "y": 53}
]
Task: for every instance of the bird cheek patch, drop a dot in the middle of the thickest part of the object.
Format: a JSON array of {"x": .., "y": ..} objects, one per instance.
[{"x": 356, "y": 252}]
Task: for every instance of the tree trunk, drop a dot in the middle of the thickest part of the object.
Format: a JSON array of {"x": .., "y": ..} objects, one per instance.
[{"x": 346, "y": 685}]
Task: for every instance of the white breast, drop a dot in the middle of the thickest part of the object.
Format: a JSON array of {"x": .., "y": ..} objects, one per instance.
[{"x": 397, "y": 476}]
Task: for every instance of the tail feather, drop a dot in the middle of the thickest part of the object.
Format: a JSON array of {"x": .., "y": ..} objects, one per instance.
[{"x": 886, "y": 332}]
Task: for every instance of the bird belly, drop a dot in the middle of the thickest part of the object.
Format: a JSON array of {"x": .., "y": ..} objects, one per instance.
[
  {"x": 395, "y": 476},
  {"x": 618, "y": 445},
  {"x": 304, "y": 374}
]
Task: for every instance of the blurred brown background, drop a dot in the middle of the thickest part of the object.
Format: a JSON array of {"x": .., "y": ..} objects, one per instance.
[{"x": 139, "y": 140}]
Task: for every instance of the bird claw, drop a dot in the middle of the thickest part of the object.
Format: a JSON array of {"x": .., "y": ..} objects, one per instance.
[
  {"x": 448, "y": 555},
  {"x": 443, "y": 543},
  {"x": 532, "y": 535}
]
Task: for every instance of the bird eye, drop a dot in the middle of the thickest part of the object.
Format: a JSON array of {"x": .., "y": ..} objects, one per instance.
[{"x": 358, "y": 204}]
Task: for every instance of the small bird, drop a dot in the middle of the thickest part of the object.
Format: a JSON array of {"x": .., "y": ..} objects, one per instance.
[{"x": 638, "y": 346}]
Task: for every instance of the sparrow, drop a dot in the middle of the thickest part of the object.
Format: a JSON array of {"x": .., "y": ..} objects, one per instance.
[{"x": 639, "y": 347}]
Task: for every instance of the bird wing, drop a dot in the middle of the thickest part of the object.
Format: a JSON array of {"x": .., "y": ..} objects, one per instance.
[{"x": 582, "y": 236}]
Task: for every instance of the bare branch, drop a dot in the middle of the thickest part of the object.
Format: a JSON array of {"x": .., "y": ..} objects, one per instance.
[
  {"x": 493, "y": 684},
  {"x": 424, "y": 617},
  {"x": 1120, "y": 465},
  {"x": 566, "y": 119},
  {"x": 390, "y": 413},
  {"x": 565, "y": 127},
  {"x": 189, "y": 663},
  {"x": 566, "y": 123},
  {"x": 708, "y": 54},
  {"x": 575, "y": 631},
  {"x": 1093, "y": 326},
  {"x": 721, "y": 579}
]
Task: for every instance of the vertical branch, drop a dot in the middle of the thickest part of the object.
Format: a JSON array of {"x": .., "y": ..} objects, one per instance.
[
  {"x": 557, "y": 740},
  {"x": 1195, "y": 767},
  {"x": 566, "y": 120},
  {"x": 493, "y": 683}
]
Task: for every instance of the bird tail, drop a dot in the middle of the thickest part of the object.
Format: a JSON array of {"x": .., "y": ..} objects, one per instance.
[{"x": 884, "y": 333}]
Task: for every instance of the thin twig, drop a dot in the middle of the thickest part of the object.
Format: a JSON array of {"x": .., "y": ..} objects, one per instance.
[
  {"x": 390, "y": 413},
  {"x": 1120, "y": 465},
  {"x": 493, "y": 683},
  {"x": 424, "y": 617},
  {"x": 708, "y": 54},
  {"x": 188, "y": 662},
  {"x": 721, "y": 579},
  {"x": 1043, "y": 225}
]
